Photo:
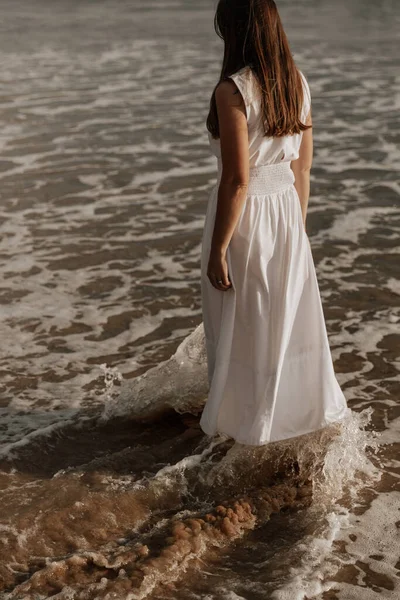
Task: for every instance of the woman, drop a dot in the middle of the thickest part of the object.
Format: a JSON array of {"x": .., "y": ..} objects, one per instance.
[{"x": 270, "y": 369}]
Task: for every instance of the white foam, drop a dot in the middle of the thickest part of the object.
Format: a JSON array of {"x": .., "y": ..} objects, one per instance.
[
  {"x": 353, "y": 223},
  {"x": 374, "y": 533}
]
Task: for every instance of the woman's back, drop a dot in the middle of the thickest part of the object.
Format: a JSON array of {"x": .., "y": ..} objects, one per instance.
[{"x": 263, "y": 150}]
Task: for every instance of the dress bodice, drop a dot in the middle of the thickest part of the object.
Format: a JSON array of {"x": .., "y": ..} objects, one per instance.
[{"x": 263, "y": 150}]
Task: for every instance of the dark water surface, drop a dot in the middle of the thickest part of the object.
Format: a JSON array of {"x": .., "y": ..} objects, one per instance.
[{"x": 108, "y": 488}]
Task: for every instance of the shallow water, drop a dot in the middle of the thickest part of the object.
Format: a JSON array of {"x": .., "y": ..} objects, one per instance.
[{"x": 108, "y": 488}]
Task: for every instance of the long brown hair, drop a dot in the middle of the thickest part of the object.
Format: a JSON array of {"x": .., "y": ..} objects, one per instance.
[{"x": 253, "y": 36}]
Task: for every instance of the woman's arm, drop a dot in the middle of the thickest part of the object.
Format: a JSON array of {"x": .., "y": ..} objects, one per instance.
[
  {"x": 233, "y": 185},
  {"x": 302, "y": 167}
]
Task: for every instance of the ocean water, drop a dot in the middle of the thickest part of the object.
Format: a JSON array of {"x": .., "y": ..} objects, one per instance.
[{"x": 108, "y": 488}]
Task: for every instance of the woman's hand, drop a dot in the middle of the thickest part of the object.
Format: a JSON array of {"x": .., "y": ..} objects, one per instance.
[{"x": 217, "y": 270}]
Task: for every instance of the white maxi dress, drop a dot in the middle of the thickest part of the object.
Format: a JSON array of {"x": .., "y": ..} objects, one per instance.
[{"x": 270, "y": 369}]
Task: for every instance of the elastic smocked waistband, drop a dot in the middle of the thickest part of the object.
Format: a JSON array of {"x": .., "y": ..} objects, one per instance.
[{"x": 269, "y": 179}]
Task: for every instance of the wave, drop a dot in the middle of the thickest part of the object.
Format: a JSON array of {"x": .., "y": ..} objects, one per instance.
[{"x": 135, "y": 497}]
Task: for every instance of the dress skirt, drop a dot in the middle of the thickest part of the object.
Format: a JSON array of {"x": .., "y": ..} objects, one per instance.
[{"x": 270, "y": 370}]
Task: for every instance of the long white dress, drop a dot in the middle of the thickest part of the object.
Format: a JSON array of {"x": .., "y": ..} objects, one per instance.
[{"x": 270, "y": 369}]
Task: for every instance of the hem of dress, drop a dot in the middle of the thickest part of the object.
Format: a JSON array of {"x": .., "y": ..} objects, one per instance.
[{"x": 324, "y": 424}]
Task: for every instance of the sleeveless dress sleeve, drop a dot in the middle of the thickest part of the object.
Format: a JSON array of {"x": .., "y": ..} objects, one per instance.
[
  {"x": 241, "y": 79},
  {"x": 246, "y": 85},
  {"x": 307, "y": 98}
]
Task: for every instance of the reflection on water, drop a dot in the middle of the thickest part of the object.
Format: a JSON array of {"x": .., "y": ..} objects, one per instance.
[{"x": 105, "y": 174}]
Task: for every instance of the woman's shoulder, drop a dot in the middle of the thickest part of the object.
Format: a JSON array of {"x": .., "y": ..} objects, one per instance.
[
  {"x": 247, "y": 83},
  {"x": 247, "y": 78},
  {"x": 224, "y": 90}
]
